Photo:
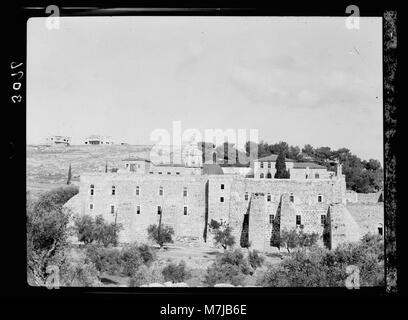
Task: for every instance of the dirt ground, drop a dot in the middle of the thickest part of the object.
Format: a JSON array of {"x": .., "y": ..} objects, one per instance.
[{"x": 197, "y": 259}]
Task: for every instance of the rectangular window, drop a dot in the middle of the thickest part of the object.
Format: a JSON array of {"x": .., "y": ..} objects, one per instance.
[
  {"x": 137, "y": 190},
  {"x": 168, "y": 172},
  {"x": 177, "y": 172},
  {"x": 161, "y": 191},
  {"x": 92, "y": 192},
  {"x": 222, "y": 199},
  {"x": 268, "y": 198},
  {"x": 151, "y": 172},
  {"x": 113, "y": 190},
  {"x": 185, "y": 192},
  {"x": 323, "y": 219},
  {"x": 246, "y": 196},
  {"x": 112, "y": 209},
  {"x": 292, "y": 198},
  {"x": 380, "y": 231},
  {"x": 271, "y": 218},
  {"x": 319, "y": 198},
  {"x": 222, "y": 186},
  {"x": 137, "y": 209},
  {"x": 160, "y": 172},
  {"x": 91, "y": 206},
  {"x": 185, "y": 210},
  {"x": 261, "y": 165},
  {"x": 159, "y": 210},
  {"x": 269, "y": 165},
  {"x": 298, "y": 220}
]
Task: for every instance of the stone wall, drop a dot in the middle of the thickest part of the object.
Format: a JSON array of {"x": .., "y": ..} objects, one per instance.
[
  {"x": 369, "y": 216},
  {"x": 272, "y": 205},
  {"x": 125, "y": 202}
]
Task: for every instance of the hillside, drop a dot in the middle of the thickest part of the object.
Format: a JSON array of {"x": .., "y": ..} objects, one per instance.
[{"x": 47, "y": 167}]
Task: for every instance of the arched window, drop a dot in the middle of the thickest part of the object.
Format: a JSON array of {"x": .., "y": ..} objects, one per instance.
[
  {"x": 261, "y": 176},
  {"x": 269, "y": 175},
  {"x": 317, "y": 176},
  {"x": 380, "y": 229}
]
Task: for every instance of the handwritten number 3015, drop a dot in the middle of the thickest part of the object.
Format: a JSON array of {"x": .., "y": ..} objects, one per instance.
[{"x": 16, "y": 85}]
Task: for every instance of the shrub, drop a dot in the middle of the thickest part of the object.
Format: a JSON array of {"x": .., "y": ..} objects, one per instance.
[
  {"x": 255, "y": 259},
  {"x": 226, "y": 273},
  {"x": 319, "y": 267},
  {"x": 147, "y": 254},
  {"x": 164, "y": 236},
  {"x": 105, "y": 259},
  {"x": 131, "y": 260},
  {"x": 120, "y": 262},
  {"x": 229, "y": 267},
  {"x": 47, "y": 232},
  {"x": 146, "y": 275},
  {"x": 79, "y": 274},
  {"x": 176, "y": 272}
]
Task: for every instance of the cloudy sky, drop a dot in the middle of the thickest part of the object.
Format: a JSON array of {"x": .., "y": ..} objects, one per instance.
[{"x": 300, "y": 80}]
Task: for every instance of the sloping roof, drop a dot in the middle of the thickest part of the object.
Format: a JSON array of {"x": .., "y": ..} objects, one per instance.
[
  {"x": 304, "y": 165},
  {"x": 178, "y": 165},
  {"x": 272, "y": 158},
  {"x": 135, "y": 159},
  {"x": 212, "y": 169}
]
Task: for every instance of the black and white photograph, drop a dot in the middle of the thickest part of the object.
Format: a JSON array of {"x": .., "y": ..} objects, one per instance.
[{"x": 206, "y": 151}]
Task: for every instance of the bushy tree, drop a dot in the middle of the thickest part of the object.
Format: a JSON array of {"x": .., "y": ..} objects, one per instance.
[
  {"x": 89, "y": 230},
  {"x": 229, "y": 267},
  {"x": 146, "y": 275},
  {"x": 222, "y": 234},
  {"x": 319, "y": 267},
  {"x": 297, "y": 238},
  {"x": 176, "y": 272},
  {"x": 47, "y": 232},
  {"x": 161, "y": 235}
]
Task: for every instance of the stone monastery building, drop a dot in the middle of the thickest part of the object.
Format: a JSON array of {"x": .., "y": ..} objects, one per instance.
[{"x": 257, "y": 206}]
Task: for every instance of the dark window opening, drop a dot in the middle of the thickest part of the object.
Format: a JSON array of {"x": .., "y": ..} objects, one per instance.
[
  {"x": 113, "y": 190},
  {"x": 185, "y": 210},
  {"x": 91, "y": 206},
  {"x": 246, "y": 196},
  {"x": 185, "y": 192},
  {"x": 269, "y": 165},
  {"x": 268, "y": 198},
  {"x": 292, "y": 198},
  {"x": 298, "y": 220},
  {"x": 269, "y": 175},
  {"x": 317, "y": 176},
  {"x": 323, "y": 219},
  {"x": 159, "y": 210},
  {"x": 261, "y": 175},
  {"x": 380, "y": 231},
  {"x": 160, "y": 191},
  {"x": 222, "y": 199},
  {"x": 112, "y": 209},
  {"x": 319, "y": 198},
  {"x": 261, "y": 165},
  {"x": 137, "y": 191},
  {"x": 138, "y": 210},
  {"x": 271, "y": 218},
  {"x": 222, "y": 186}
]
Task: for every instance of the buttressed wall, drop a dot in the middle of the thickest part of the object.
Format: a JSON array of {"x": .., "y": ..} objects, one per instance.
[{"x": 189, "y": 202}]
